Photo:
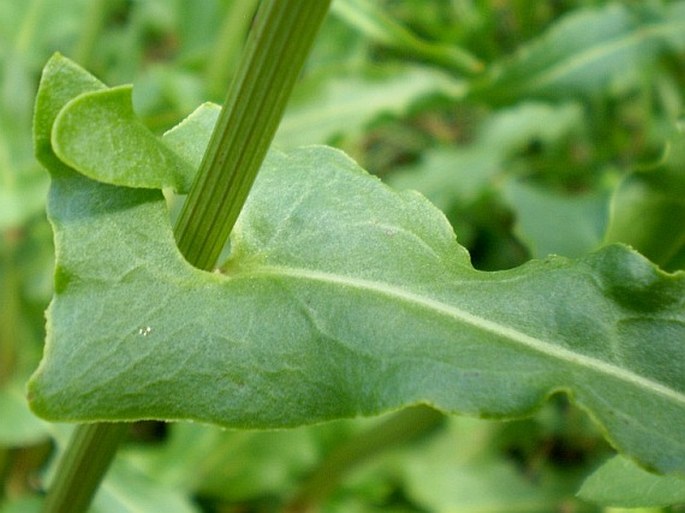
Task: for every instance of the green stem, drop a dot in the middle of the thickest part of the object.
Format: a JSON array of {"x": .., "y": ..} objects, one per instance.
[
  {"x": 275, "y": 53},
  {"x": 91, "y": 449},
  {"x": 402, "y": 427}
]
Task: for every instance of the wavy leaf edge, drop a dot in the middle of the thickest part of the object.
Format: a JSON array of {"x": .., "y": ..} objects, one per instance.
[{"x": 538, "y": 345}]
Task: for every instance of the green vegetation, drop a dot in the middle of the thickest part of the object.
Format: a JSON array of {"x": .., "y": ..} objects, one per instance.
[{"x": 344, "y": 350}]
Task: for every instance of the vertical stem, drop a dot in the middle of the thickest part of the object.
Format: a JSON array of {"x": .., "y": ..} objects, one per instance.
[
  {"x": 91, "y": 450},
  {"x": 275, "y": 53}
]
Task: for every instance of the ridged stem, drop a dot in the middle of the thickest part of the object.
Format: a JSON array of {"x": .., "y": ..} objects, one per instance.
[
  {"x": 91, "y": 450},
  {"x": 274, "y": 55}
]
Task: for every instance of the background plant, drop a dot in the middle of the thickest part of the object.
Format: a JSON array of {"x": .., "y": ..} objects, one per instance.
[{"x": 549, "y": 144}]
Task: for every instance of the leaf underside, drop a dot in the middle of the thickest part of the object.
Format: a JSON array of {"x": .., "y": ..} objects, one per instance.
[{"x": 341, "y": 297}]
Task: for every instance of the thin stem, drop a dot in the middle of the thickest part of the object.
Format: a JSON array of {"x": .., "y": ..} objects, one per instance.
[
  {"x": 91, "y": 450},
  {"x": 274, "y": 55},
  {"x": 400, "y": 428}
]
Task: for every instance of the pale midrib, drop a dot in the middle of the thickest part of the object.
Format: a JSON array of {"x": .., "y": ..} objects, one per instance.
[
  {"x": 567, "y": 66},
  {"x": 476, "y": 321}
]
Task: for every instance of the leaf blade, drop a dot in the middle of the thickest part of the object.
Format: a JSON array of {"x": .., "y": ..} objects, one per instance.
[
  {"x": 105, "y": 119},
  {"x": 343, "y": 297}
]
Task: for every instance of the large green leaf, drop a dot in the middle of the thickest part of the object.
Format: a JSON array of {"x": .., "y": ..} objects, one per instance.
[{"x": 341, "y": 297}]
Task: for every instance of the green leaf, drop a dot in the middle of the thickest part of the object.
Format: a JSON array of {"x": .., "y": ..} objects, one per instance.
[
  {"x": 19, "y": 426},
  {"x": 105, "y": 119},
  {"x": 590, "y": 51},
  {"x": 66, "y": 81},
  {"x": 343, "y": 297},
  {"x": 620, "y": 482}
]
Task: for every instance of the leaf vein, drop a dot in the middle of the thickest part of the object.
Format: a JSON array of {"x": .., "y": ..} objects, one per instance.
[{"x": 524, "y": 339}]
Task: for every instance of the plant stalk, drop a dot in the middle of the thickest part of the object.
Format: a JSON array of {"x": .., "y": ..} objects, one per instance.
[
  {"x": 275, "y": 52},
  {"x": 83, "y": 465},
  {"x": 274, "y": 55}
]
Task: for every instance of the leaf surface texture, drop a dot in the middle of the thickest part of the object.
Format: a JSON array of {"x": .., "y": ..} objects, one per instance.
[{"x": 341, "y": 297}]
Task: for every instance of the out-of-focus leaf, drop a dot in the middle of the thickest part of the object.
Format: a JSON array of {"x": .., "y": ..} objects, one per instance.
[
  {"x": 620, "y": 482},
  {"x": 19, "y": 426},
  {"x": 346, "y": 298},
  {"x": 22, "y": 184},
  {"x": 589, "y": 51},
  {"x": 460, "y": 471},
  {"x": 450, "y": 175},
  {"x": 373, "y": 21},
  {"x": 22, "y": 505},
  {"x": 552, "y": 223},
  {"x": 647, "y": 212},
  {"x": 457, "y": 175},
  {"x": 233, "y": 465},
  {"x": 127, "y": 491},
  {"x": 22, "y": 195},
  {"x": 328, "y": 105}
]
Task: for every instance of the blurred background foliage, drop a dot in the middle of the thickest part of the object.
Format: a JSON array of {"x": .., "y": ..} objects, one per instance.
[{"x": 538, "y": 127}]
